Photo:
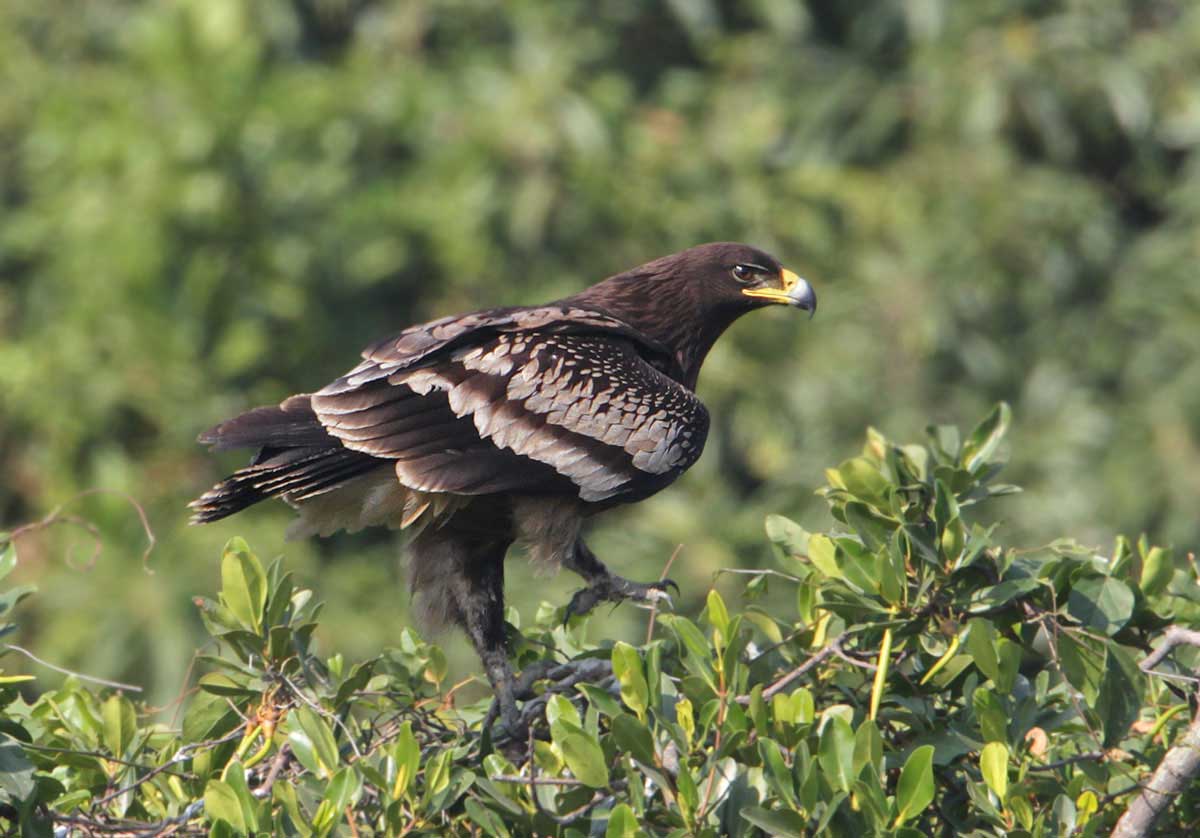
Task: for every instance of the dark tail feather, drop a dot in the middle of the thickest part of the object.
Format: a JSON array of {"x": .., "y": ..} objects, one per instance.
[
  {"x": 297, "y": 458},
  {"x": 289, "y": 425}
]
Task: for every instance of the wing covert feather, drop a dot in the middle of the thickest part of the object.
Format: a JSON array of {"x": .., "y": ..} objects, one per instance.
[{"x": 532, "y": 407}]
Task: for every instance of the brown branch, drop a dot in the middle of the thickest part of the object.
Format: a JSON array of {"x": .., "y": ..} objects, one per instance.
[
  {"x": 1177, "y": 771},
  {"x": 831, "y": 649},
  {"x": 58, "y": 516},
  {"x": 1090, "y": 756},
  {"x": 1179, "y": 766},
  {"x": 1174, "y": 636},
  {"x": 654, "y": 603}
]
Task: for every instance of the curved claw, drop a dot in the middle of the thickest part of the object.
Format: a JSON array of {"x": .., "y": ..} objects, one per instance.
[{"x": 664, "y": 584}]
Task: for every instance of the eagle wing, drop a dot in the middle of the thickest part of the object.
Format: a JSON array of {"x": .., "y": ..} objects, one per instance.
[{"x": 555, "y": 399}]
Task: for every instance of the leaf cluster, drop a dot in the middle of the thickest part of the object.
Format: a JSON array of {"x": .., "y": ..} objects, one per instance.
[{"x": 907, "y": 673}]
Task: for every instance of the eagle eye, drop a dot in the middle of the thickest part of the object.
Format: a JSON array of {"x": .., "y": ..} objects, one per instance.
[{"x": 745, "y": 273}]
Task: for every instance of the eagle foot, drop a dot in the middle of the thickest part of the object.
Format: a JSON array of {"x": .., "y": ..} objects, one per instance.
[
  {"x": 511, "y": 729},
  {"x": 615, "y": 589}
]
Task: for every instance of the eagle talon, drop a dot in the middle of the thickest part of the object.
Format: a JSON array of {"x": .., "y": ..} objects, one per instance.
[{"x": 616, "y": 589}]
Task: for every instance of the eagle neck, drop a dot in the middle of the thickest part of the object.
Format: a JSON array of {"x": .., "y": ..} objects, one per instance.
[{"x": 667, "y": 312}]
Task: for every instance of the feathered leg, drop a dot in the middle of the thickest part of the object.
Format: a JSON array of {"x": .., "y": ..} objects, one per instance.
[
  {"x": 605, "y": 586},
  {"x": 459, "y": 578}
]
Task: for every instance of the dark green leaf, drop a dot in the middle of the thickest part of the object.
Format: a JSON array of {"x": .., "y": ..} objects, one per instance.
[
  {"x": 120, "y": 724},
  {"x": 16, "y": 771},
  {"x": 634, "y": 738},
  {"x": 836, "y": 753},
  {"x": 914, "y": 790},
  {"x": 1119, "y": 701},
  {"x": 222, "y": 802},
  {"x": 1101, "y": 603},
  {"x": 981, "y": 443},
  {"x": 243, "y": 584},
  {"x": 784, "y": 824}
]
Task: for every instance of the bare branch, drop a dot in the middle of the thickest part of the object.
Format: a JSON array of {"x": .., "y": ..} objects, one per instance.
[
  {"x": 1179, "y": 766},
  {"x": 831, "y": 649},
  {"x": 1177, "y": 771},
  {"x": 1174, "y": 636}
]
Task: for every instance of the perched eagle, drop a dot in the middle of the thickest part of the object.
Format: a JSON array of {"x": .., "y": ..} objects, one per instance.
[{"x": 508, "y": 425}]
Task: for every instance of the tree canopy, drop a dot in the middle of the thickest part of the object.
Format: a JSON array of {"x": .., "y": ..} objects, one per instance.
[{"x": 209, "y": 204}]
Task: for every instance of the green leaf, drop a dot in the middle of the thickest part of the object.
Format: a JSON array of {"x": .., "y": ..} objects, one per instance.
[
  {"x": 789, "y": 538},
  {"x": 120, "y": 725},
  {"x": 16, "y": 771},
  {"x": 861, "y": 478},
  {"x": 1083, "y": 663},
  {"x": 243, "y": 584},
  {"x": 783, "y": 824},
  {"x": 868, "y": 748},
  {"x": 313, "y": 742},
  {"x": 993, "y": 764},
  {"x": 1009, "y": 656},
  {"x": 622, "y": 823},
  {"x": 208, "y": 716},
  {"x": 836, "y": 753},
  {"x": 627, "y": 667},
  {"x": 1119, "y": 700},
  {"x": 634, "y": 738},
  {"x": 1101, "y": 603},
  {"x": 718, "y": 614},
  {"x": 914, "y": 791},
  {"x": 822, "y": 552},
  {"x": 221, "y": 803},
  {"x": 235, "y": 776},
  {"x": 980, "y": 644},
  {"x": 981, "y": 443},
  {"x": 990, "y": 714},
  {"x": 343, "y": 790},
  {"x": 407, "y": 754},
  {"x": 993, "y": 596},
  {"x": 1157, "y": 570},
  {"x": 487, "y": 820},
  {"x": 582, "y": 753},
  {"x": 559, "y": 708},
  {"x": 776, "y": 772}
]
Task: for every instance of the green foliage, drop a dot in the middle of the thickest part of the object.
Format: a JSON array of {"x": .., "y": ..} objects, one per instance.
[
  {"x": 905, "y": 673},
  {"x": 212, "y": 204}
]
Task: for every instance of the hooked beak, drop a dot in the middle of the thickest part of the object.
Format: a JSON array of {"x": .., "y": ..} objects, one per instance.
[{"x": 795, "y": 292}]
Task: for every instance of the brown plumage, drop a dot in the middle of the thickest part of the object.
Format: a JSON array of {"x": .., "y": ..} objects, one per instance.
[{"x": 508, "y": 425}]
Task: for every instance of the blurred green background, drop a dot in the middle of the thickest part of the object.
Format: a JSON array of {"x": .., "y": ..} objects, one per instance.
[{"x": 211, "y": 204}]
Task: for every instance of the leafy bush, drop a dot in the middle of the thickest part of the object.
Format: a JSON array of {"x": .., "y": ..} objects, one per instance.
[{"x": 906, "y": 674}]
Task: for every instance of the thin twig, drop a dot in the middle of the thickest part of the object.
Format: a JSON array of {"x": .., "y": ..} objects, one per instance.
[
  {"x": 117, "y": 685},
  {"x": 654, "y": 603},
  {"x": 281, "y": 759},
  {"x": 829, "y": 649},
  {"x": 562, "y": 820},
  {"x": 323, "y": 712},
  {"x": 184, "y": 753},
  {"x": 57, "y": 516},
  {"x": 1090, "y": 756},
  {"x": 540, "y": 781}
]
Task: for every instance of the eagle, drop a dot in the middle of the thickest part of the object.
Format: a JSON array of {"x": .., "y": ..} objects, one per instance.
[{"x": 508, "y": 426}]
